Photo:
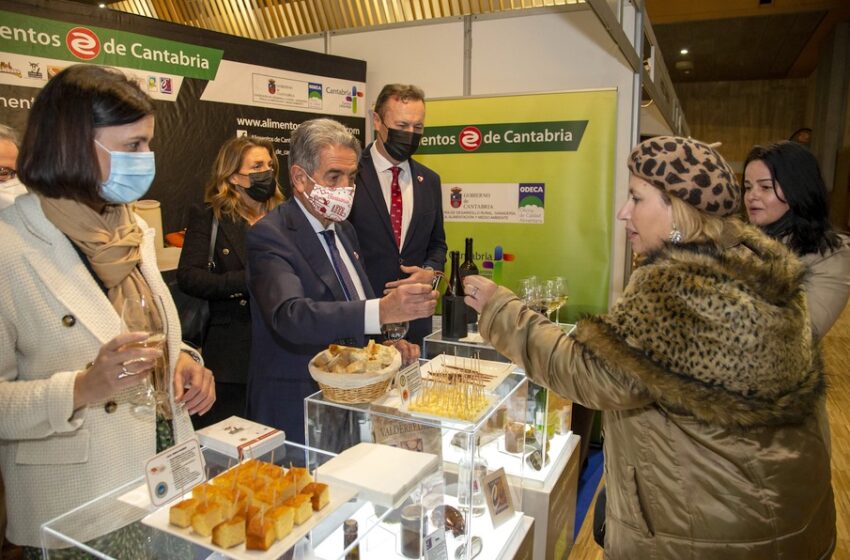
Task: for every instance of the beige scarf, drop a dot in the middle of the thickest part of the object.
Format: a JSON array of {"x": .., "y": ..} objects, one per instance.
[{"x": 111, "y": 240}]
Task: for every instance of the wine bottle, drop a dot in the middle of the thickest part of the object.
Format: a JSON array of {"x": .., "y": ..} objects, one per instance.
[
  {"x": 545, "y": 418},
  {"x": 468, "y": 268},
  {"x": 454, "y": 309}
]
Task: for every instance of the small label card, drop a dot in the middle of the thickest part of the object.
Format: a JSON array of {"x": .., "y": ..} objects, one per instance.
[
  {"x": 175, "y": 471},
  {"x": 498, "y": 496},
  {"x": 408, "y": 381},
  {"x": 435, "y": 546}
]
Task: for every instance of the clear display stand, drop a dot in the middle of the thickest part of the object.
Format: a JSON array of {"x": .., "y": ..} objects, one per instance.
[
  {"x": 467, "y": 452},
  {"x": 549, "y": 492},
  {"x": 471, "y": 346},
  {"x": 124, "y": 521}
]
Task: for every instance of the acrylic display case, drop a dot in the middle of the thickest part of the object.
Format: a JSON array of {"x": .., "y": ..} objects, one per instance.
[
  {"x": 549, "y": 481},
  {"x": 467, "y": 451},
  {"x": 127, "y": 524}
]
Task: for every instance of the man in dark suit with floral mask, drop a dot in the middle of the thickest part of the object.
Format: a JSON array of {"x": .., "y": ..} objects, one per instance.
[
  {"x": 398, "y": 209},
  {"x": 306, "y": 279}
]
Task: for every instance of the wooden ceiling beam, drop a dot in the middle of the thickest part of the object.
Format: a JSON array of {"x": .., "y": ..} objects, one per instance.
[
  {"x": 807, "y": 60},
  {"x": 678, "y": 11}
]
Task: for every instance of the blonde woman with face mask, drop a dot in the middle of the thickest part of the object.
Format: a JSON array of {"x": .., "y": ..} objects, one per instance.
[{"x": 242, "y": 188}]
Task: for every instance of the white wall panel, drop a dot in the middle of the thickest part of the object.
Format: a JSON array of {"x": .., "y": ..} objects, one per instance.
[
  {"x": 559, "y": 52},
  {"x": 553, "y": 51}
]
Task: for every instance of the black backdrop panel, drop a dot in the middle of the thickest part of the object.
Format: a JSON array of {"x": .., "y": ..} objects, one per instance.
[{"x": 189, "y": 131}]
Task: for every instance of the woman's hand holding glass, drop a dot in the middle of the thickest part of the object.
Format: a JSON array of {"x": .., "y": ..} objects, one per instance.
[
  {"x": 141, "y": 314},
  {"x": 120, "y": 364}
]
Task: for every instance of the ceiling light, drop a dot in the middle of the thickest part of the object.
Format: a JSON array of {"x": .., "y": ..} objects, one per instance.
[
  {"x": 101, "y": 5},
  {"x": 684, "y": 51}
]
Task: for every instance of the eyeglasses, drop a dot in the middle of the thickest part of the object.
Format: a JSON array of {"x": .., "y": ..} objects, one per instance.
[{"x": 7, "y": 173}]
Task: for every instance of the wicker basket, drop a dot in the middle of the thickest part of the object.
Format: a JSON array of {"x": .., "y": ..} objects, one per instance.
[{"x": 355, "y": 388}]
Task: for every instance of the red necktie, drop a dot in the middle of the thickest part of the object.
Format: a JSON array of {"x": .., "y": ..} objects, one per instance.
[{"x": 395, "y": 205}]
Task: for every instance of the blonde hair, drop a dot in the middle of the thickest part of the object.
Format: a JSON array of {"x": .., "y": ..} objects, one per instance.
[
  {"x": 223, "y": 196},
  {"x": 699, "y": 227}
]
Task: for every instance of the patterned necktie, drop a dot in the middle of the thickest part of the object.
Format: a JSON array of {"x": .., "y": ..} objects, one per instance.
[
  {"x": 339, "y": 267},
  {"x": 395, "y": 206}
]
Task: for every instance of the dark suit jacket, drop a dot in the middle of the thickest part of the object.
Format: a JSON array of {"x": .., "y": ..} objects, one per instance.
[
  {"x": 299, "y": 308},
  {"x": 425, "y": 241},
  {"x": 228, "y": 340}
]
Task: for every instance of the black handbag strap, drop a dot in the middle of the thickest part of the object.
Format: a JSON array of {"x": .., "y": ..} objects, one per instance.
[{"x": 211, "y": 253}]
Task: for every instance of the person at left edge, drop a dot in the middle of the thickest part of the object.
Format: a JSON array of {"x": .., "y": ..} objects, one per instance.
[
  {"x": 417, "y": 205},
  {"x": 72, "y": 251},
  {"x": 242, "y": 189},
  {"x": 307, "y": 285},
  {"x": 10, "y": 186}
]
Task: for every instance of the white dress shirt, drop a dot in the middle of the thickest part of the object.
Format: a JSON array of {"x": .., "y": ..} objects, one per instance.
[
  {"x": 372, "y": 316},
  {"x": 405, "y": 182}
]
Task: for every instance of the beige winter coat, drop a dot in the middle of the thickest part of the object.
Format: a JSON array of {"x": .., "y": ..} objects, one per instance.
[
  {"x": 53, "y": 320},
  {"x": 707, "y": 379},
  {"x": 827, "y": 286}
]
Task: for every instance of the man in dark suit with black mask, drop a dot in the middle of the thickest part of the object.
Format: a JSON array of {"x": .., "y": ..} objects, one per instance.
[
  {"x": 308, "y": 284},
  {"x": 398, "y": 208}
]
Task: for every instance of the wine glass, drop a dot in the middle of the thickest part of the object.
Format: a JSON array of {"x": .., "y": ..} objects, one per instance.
[
  {"x": 147, "y": 314},
  {"x": 562, "y": 294},
  {"x": 529, "y": 292},
  {"x": 393, "y": 332}
]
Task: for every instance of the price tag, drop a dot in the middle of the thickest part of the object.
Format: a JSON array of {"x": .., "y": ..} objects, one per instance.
[
  {"x": 435, "y": 546},
  {"x": 175, "y": 471},
  {"x": 408, "y": 381}
]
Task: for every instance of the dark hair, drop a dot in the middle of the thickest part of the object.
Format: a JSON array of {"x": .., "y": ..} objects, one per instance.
[
  {"x": 807, "y": 221},
  {"x": 57, "y": 157},
  {"x": 402, "y": 92}
]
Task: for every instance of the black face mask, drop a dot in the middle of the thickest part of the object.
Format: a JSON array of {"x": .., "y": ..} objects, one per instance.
[
  {"x": 400, "y": 145},
  {"x": 262, "y": 185}
]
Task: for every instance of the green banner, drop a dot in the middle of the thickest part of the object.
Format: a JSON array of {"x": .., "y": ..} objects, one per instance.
[
  {"x": 551, "y": 136},
  {"x": 539, "y": 200},
  {"x": 60, "y": 40}
]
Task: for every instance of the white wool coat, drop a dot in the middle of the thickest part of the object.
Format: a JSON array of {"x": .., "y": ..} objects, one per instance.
[{"x": 53, "y": 320}]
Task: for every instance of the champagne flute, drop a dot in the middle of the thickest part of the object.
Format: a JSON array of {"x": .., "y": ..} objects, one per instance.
[
  {"x": 147, "y": 314},
  {"x": 530, "y": 293},
  {"x": 562, "y": 294}
]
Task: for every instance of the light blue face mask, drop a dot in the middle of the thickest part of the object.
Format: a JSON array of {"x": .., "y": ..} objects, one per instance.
[{"x": 130, "y": 176}]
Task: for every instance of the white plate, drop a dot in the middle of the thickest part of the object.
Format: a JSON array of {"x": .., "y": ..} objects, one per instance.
[
  {"x": 339, "y": 496},
  {"x": 498, "y": 370}
]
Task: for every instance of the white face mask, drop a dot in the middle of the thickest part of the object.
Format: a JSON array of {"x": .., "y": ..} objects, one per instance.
[{"x": 332, "y": 204}]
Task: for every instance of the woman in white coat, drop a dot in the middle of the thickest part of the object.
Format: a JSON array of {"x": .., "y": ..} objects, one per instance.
[{"x": 73, "y": 251}]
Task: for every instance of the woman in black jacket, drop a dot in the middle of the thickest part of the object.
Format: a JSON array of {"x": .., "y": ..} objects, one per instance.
[{"x": 243, "y": 187}]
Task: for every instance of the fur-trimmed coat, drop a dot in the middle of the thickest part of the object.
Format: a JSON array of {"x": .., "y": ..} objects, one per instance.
[{"x": 709, "y": 386}]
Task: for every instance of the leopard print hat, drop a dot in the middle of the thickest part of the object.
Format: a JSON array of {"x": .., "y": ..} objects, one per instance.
[{"x": 690, "y": 170}]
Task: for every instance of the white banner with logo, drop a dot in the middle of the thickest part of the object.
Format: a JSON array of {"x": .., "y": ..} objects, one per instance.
[
  {"x": 506, "y": 203},
  {"x": 282, "y": 89}
]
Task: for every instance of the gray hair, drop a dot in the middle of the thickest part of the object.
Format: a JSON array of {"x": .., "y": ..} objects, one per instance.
[
  {"x": 313, "y": 136},
  {"x": 9, "y": 133}
]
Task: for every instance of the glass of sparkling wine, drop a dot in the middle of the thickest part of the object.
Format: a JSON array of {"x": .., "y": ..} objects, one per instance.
[
  {"x": 561, "y": 293},
  {"x": 147, "y": 314}
]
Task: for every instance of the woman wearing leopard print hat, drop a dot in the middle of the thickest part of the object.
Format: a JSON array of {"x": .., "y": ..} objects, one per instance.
[{"x": 704, "y": 369}]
